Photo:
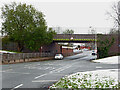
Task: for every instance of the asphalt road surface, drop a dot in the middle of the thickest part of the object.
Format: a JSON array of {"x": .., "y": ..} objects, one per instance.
[{"x": 42, "y": 74}]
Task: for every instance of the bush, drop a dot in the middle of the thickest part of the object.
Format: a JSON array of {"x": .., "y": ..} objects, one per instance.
[{"x": 104, "y": 46}]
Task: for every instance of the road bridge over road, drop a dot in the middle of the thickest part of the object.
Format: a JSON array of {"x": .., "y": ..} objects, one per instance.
[
  {"x": 75, "y": 38},
  {"x": 85, "y": 38},
  {"x": 54, "y": 47}
]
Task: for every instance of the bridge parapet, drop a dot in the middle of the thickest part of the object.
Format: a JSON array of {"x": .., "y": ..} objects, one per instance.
[{"x": 74, "y": 38}]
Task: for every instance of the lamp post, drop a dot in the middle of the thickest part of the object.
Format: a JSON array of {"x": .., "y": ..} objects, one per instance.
[
  {"x": 71, "y": 38},
  {"x": 95, "y": 48},
  {"x": 41, "y": 49}
]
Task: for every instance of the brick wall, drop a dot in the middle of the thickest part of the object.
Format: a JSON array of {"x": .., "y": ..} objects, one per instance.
[
  {"x": 52, "y": 48},
  {"x": 67, "y": 51}
]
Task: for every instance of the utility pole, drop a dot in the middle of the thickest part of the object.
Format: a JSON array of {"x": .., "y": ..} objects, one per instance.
[{"x": 93, "y": 31}]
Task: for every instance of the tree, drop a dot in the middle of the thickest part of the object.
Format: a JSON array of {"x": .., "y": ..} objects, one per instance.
[
  {"x": 104, "y": 45},
  {"x": 115, "y": 14},
  {"x": 25, "y": 25},
  {"x": 39, "y": 38},
  {"x": 114, "y": 31},
  {"x": 68, "y": 31}
]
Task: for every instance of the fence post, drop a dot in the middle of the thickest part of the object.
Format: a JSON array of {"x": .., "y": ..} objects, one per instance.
[
  {"x": 19, "y": 56},
  {"x": 8, "y": 58},
  {"x": 24, "y": 57},
  {"x": 28, "y": 56},
  {"x": 40, "y": 54},
  {"x": 14, "y": 57},
  {"x": 3, "y": 58}
]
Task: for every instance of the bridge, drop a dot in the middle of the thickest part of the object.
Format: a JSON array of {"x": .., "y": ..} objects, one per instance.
[{"x": 75, "y": 38}]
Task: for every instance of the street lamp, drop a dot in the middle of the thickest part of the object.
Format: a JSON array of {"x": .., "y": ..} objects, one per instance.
[
  {"x": 95, "y": 48},
  {"x": 71, "y": 38},
  {"x": 41, "y": 48},
  {"x": 89, "y": 29}
]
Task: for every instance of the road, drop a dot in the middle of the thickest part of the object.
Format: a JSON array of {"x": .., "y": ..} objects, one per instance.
[{"x": 44, "y": 73}]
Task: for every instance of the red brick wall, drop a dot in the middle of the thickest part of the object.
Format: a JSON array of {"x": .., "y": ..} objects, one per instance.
[
  {"x": 67, "y": 52},
  {"x": 52, "y": 48}
]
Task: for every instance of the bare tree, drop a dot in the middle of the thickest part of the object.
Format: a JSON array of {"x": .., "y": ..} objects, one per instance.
[{"x": 115, "y": 14}]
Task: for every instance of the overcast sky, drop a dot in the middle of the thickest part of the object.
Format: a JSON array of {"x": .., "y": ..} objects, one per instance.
[{"x": 78, "y": 14}]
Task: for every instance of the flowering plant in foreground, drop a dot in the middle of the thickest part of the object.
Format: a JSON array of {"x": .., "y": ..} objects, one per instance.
[{"x": 90, "y": 80}]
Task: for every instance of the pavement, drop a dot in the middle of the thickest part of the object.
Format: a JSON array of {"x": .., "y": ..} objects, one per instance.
[
  {"x": 114, "y": 73},
  {"x": 42, "y": 74},
  {"x": 109, "y": 60}
]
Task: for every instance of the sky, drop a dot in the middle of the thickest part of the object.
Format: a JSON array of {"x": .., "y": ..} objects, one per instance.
[{"x": 78, "y": 15}]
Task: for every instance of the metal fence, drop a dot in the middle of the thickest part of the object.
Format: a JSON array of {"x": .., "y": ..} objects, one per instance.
[{"x": 23, "y": 56}]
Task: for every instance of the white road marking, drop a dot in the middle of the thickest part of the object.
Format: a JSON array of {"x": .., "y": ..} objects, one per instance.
[
  {"x": 48, "y": 64},
  {"x": 47, "y": 68},
  {"x": 6, "y": 70},
  {"x": 59, "y": 69},
  {"x": 56, "y": 70},
  {"x": 17, "y": 87},
  {"x": 19, "y": 72},
  {"x": 45, "y": 81},
  {"x": 40, "y": 76},
  {"x": 98, "y": 67},
  {"x": 14, "y": 72},
  {"x": 64, "y": 69}
]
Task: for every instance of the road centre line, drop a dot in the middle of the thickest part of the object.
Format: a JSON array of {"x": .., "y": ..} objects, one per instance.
[
  {"x": 17, "y": 87},
  {"x": 40, "y": 76}
]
